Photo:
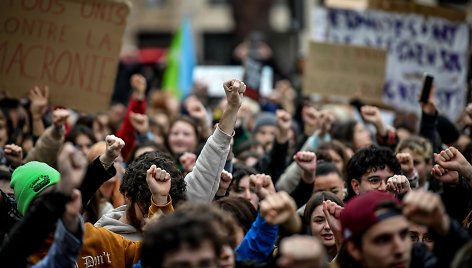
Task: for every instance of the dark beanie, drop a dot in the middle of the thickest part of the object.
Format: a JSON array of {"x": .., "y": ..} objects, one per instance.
[{"x": 264, "y": 119}]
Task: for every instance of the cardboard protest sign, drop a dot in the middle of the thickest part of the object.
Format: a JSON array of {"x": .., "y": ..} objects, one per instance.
[
  {"x": 343, "y": 70},
  {"x": 415, "y": 45},
  {"x": 70, "y": 45}
]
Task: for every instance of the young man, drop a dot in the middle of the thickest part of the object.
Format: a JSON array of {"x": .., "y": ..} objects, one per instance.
[
  {"x": 375, "y": 168},
  {"x": 375, "y": 231}
]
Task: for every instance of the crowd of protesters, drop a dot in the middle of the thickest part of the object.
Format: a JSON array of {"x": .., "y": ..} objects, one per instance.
[{"x": 284, "y": 182}]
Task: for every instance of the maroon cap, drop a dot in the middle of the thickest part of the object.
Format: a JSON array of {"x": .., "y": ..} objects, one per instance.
[{"x": 362, "y": 212}]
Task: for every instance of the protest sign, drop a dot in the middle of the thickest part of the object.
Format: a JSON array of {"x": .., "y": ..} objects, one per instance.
[
  {"x": 345, "y": 70},
  {"x": 215, "y": 76},
  {"x": 70, "y": 45},
  {"x": 415, "y": 45}
]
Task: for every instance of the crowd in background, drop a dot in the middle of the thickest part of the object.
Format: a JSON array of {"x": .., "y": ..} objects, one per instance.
[{"x": 284, "y": 181}]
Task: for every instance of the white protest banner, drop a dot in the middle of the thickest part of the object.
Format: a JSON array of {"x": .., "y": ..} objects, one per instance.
[
  {"x": 415, "y": 45},
  {"x": 70, "y": 45},
  {"x": 215, "y": 76}
]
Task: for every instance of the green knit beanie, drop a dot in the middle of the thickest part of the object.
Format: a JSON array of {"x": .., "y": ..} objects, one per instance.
[{"x": 29, "y": 180}]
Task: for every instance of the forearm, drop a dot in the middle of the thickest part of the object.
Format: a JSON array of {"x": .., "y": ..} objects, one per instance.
[
  {"x": 381, "y": 128},
  {"x": 126, "y": 130},
  {"x": 203, "y": 181},
  {"x": 37, "y": 125},
  {"x": 95, "y": 176},
  {"x": 47, "y": 147},
  {"x": 466, "y": 172},
  {"x": 228, "y": 120},
  {"x": 428, "y": 126},
  {"x": 289, "y": 180},
  {"x": 273, "y": 162}
]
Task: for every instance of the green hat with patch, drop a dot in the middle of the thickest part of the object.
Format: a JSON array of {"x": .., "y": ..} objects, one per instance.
[{"x": 29, "y": 180}]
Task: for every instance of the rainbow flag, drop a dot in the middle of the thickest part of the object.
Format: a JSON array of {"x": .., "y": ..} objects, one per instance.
[{"x": 181, "y": 59}]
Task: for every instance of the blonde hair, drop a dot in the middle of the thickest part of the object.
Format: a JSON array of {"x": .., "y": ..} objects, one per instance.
[{"x": 418, "y": 145}]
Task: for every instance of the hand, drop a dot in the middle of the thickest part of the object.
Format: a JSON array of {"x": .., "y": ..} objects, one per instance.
[
  {"x": 444, "y": 175},
  {"x": 39, "y": 100},
  {"x": 14, "y": 154},
  {"x": 398, "y": 184},
  {"x": 140, "y": 122},
  {"x": 326, "y": 120},
  {"x": 406, "y": 164},
  {"x": 263, "y": 185},
  {"x": 307, "y": 162},
  {"x": 59, "y": 117},
  {"x": 188, "y": 161},
  {"x": 372, "y": 114},
  {"x": 234, "y": 90},
  {"x": 113, "y": 150},
  {"x": 310, "y": 117},
  {"x": 138, "y": 84},
  {"x": 71, "y": 217},
  {"x": 452, "y": 160},
  {"x": 332, "y": 212},
  {"x": 278, "y": 208},
  {"x": 283, "y": 124},
  {"x": 159, "y": 183},
  {"x": 426, "y": 208},
  {"x": 196, "y": 109},
  {"x": 225, "y": 181},
  {"x": 301, "y": 251},
  {"x": 72, "y": 166}
]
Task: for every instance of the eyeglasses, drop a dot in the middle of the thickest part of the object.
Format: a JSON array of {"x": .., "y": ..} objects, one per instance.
[{"x": 376, "y": 181}]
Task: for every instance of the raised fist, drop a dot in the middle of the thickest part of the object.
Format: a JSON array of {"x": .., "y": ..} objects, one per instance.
[
  {"x": 159, "y": 183},
  {"x": 234, "y": 90}
]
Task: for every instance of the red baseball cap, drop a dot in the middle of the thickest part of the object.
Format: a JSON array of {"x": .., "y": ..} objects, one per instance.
[{"x": 367, "y": 209}]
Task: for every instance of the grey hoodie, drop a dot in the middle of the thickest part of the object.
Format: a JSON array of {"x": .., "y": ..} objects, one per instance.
[{"x": 111, "y": 221}]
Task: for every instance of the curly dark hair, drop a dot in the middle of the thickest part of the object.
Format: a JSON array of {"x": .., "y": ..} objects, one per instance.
[
  {"x": 367, "y": 159},
  {"x": 134, "y": 183}
]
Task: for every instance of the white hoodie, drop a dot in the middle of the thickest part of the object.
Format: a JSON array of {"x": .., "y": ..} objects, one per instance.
[{"x": 111, "y": 221}]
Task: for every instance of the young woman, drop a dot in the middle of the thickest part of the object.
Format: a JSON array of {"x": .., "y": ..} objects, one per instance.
[{"x": 316, "y": 223}]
